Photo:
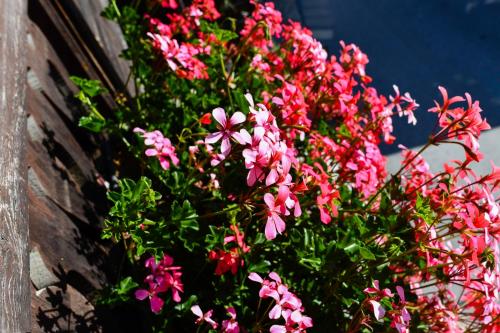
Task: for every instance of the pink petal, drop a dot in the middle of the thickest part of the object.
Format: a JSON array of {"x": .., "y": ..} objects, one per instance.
[
  {"x": 225, "y": 146},
  {"x": 277, "y": 101},
  {"x": 220, "y": 115},
  {"x": 258, "y": 133},
  {"x": 255, "y": 277},
  {"x": 252, "y": 177},
  {"x": 249, "y": 98},
  {"x": 272, "y": 177},
  {"x": 141, "y": 294},
  {"x": 280, "y": 224},
  {"x": 156, "y": 304},
  {"x": 286, "y": 164},
  {"x": 197, "y": 311},
  {"x": 237, "y": 118},
  {"x": 270, "y": 230},
  {"x": 296, "y": 210},
  {"x": 151, "y": 152},
  {"x": 212, "y": 323},
  {"x": 370, "y": 290},
  {"x": 324, "y": 215},
  {"x": 296, "y": 316},
  {"x": 378, "y": 310},
  {"x": 275, "y": 277},
  {"x": 174, "y": 159},
  {"x": 232, "y": 311},
  {"x": 401, "y": 293},
  {"x": 175, "y": 295},
  {"x": 243, "y": 137},
  {"x": 275, "y": 312},
  {"x": 277, "y": 329},
  {"x": 307, "y": 321},
  {"x": 164, "y": 163},
  {"x": 283, "y": 194},
  {"x": 213, "y": 137},
  {"x": 269, "y": 200}
]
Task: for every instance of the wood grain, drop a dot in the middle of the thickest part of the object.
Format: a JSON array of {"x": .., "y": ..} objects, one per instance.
[{"x": 14, "y": 258}]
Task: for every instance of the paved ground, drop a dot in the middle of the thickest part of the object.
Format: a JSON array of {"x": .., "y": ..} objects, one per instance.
[{"x": 418, "y": 45}]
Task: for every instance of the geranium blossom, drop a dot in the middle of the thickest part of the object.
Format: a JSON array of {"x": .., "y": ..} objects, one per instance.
[
  {"x": 287, "y": 305},
  {"x": 230, "y": 325},
  {"x": 227, "y": 131},
  {"x": 161, "y": 147},
  {"x": 204, "y": 317},
  {"x": 163, "y": 277}
]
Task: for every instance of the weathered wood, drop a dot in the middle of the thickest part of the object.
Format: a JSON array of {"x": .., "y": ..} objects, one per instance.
[
  {"x": 69, "y": 251},
  {"x": 68, "y": 37},
  {"x": 63, "y": 309},
  {"x": 14, "y": 258}
]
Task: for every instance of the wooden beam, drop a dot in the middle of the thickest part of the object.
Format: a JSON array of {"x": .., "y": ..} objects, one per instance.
[{"x": 15, "y": 309}]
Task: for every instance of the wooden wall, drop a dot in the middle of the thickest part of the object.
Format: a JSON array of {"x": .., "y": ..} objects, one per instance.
[{"x": 57, "y": 172}]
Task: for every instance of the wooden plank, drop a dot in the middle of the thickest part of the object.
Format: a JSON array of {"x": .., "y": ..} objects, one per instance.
[
  {"x": 15, "y": 313},
  {"x": 105, "y": 32},
  {"x": 72, "y": 252}
]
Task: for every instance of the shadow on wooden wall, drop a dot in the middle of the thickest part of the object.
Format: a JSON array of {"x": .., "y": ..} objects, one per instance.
[{"x": 68, "y": 260}]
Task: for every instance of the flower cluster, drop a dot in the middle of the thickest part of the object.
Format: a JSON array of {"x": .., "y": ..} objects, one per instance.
[
  {"x": 287, "y": 304},
  {"x": 161, "y": 147},
  {"x": 163, "y": 277},
  {"x": 228, "y": 325},
  {"x": 460, "y": 123},
  {"x": 181, "y": 58},
  {"x": 267, "y": 157}
]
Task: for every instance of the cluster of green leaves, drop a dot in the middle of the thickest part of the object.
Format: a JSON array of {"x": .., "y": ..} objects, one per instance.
[{"x": 89, "y": 89}]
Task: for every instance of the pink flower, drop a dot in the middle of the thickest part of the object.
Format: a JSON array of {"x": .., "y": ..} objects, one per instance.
[
  {"x": 275, "y": 208},
  {"x": 169, "y": 4},
  {"x": 287, "y": 305},
  {"x": 408, "y": 109},
  {"x": 181, "y": 58},
  {"x": 163, "y": 277},
  {"x": 155, "y": 301},
  {"x": 378, "y": 309},
  {"x": 204, "y": 317},
  {"x": 226, "y": 130},
  {"x": 230, "y": 325},
  {"x": 463, "y": 124},
  {"x": 162, "y": 147}
]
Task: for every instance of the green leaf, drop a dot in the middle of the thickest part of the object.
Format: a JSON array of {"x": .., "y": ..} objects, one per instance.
[
  {"x": 351, "y": 249},
  {"x": 241, "y": 101},
  {"x": 91, "y": 88},
  {"x": 186, "y": 306},
  {"x": 225, "y": 35},
  {"x": 126, "y": 285},
  {"x": 259, "y": 238},
  {"x": 92, "y": 123},
  {"x": 184, "y": 212},
  {"x": 366, "y": 253},
  {"x": 260, "y": 267},
  {"x": 222, "y": 34},
  {"x": 185, "y": 218}
]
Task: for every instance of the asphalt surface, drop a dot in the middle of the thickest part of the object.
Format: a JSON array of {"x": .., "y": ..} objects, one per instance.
[{"x": 417, "y": 45}]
